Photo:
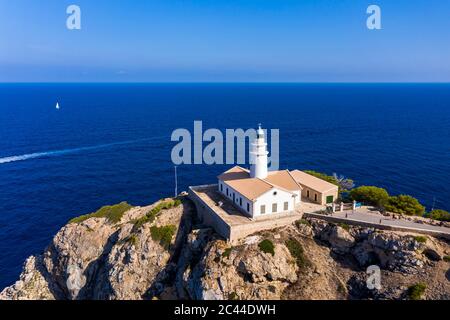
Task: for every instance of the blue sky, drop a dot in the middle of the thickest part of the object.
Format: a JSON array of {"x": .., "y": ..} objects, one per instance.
[{"x": 225, "y": 41}]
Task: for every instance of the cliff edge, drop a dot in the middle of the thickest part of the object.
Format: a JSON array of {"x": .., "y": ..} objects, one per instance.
[{"x": 161, "y": 251}]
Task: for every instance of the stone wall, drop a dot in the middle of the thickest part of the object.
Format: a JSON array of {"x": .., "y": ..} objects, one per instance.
[
  {"x": 233, "y": 233},
  {"x": 208, "y": 216},
  {"x": 244, "y": 230},
  {"x": 376, "y": 225}
]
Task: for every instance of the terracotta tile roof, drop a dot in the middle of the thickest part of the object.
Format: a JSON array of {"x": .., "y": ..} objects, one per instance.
[
  {"x": 239, "y": 179},
  {"x": 283, "y": 179},
  {"x": 312, "y": 182},
  {"x": 235, "y": 173}
]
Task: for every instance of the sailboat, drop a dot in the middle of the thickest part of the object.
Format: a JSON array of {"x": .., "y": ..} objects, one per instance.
[{"x": 57, "y": 105}]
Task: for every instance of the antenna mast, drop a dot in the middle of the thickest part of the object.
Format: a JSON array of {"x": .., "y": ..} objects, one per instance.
[{"x": 176, "y": 182}]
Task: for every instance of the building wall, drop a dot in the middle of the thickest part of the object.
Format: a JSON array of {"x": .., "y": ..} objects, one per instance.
[
  {"x": 208, "y": 216},
  {"x": 244, "y": 230},
  {"x": 236, "y": 232},
  {"x": 269, "y": 198},
  {"x": 321, "y": 197},
  {"x": 240, "y": 201},
  {"x": 333, "y": 193}
]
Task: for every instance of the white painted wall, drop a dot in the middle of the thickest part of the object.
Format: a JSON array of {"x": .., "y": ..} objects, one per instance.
[
  {"x": 238, "y": 197},
  {"x": 269, "y": 198},
  {"x": 258, "y": 155},
  {"x": 266, "y": 199}
]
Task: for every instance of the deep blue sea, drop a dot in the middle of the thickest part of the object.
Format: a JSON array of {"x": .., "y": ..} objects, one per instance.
[{"x": 111, "y": 142}]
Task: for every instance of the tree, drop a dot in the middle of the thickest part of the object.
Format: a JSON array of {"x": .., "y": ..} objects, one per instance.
[
  {"x": 322, "y": 176},
  {"x": 343, "y": 183},
  {"x": 370, "y": 195},
  {"x": 438, "y": 214},
  {"x": 405, "y": 204}
]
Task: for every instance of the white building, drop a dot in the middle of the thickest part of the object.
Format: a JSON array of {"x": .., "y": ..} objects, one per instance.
[{"x": 257, "y": 192}]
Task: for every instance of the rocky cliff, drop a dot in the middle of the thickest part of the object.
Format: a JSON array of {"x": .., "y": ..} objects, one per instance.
[{"x": 162, "y": 252}]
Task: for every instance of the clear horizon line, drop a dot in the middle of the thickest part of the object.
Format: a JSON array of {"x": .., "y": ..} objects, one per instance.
[{"x": 224, "y": 82}]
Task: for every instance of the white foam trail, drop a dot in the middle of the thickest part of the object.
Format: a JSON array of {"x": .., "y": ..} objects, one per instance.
[{"x": 35, "y": 155}]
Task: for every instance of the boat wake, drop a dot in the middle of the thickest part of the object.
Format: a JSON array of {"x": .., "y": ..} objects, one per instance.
[{"x": 35, "y": 155}]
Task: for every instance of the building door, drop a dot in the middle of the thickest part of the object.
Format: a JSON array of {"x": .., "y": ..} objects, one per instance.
[
  {"x": 234, "y": 198},
  {"x": 330, "y": 199},
  {"x": 315, "y": 197}
]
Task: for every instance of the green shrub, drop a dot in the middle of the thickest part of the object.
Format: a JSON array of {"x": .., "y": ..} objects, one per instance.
[
  {"x": 344, "y": 184},
  {"x": 323, "y": 176},
  {"x": 446, "y": 258},
  {"x": 438, "y": 214},
  {"x": 415, "y": 292},
  {"x": 297, "y": 252},
  {"x": 421, "y": 239},
  {"x": 233, "y": 296},
  {"x": 344, "y": 226},
  {"x": 112, "y": 213},
  {"x": 302, "y": 221},
  {"x": 227, "y": 252},
  {"x": 131, "y": 239},
  {"x": 151, "y": 215},
  {"x": 163, "y": 234},
  {"x": 405, "y": 204},
  {"x": 341, "y": 288},
  {"x": 370, "y": 195},
  {"x": 267, "y": 247}
]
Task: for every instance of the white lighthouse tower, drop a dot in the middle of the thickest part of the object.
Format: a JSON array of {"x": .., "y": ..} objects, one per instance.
[{"x": 258, "y": 156}]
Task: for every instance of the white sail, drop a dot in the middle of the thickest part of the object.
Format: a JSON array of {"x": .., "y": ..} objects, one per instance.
[{"x": 57, "y": 105}]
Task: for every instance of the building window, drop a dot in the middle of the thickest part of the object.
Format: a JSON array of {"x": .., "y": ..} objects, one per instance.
[
  {"x": 248, "y": 207},
  {"x": 274, "y": 207},
  {"x": 307, "y": 193},
  {"x": 286, "y": 206},
  {"x": 315, "y": 196},
  {"x": 240, "y": 202},
  {"x": 221, "y": 187},
  {"x": 227, "y": 192},
  {"x": 263, "y": 209},
  {"x": 274, "y": 193}
]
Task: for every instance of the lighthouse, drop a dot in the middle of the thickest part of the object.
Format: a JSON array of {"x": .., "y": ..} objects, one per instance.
[{"x": 258, "y": 156}]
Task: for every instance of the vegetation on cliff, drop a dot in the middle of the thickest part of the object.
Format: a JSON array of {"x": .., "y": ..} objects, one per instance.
[
  {"x": 438, "y": 214},
  {"x": 416, "y": 291},
  {"x": 267, "y": 246},
  {"x": 421, "y": 239},
  {"x": 370, "y": 195},
  {"x": 151, "y": 215},
  {"x": 112, "y": 213},
  {"x": 343, "y": 183},
  {"x": 405, "y": 204},
  {"x": 163, "y": 234},
  {"x": 297, "y": 252},
  {"x": 379, "y": 197},
  {"x": 134, "y": 264}
]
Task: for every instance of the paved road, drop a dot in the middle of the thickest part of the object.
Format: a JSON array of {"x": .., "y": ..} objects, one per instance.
[{"x": 365, "y": 215}]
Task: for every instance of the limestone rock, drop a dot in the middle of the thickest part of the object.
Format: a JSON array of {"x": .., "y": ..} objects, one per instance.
[
  {"x": 246, "y": 273},
  {"x": 32, "y": 284},
  {"x": 96, "y": 259},
  {"x": 340, "y": 239}
]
